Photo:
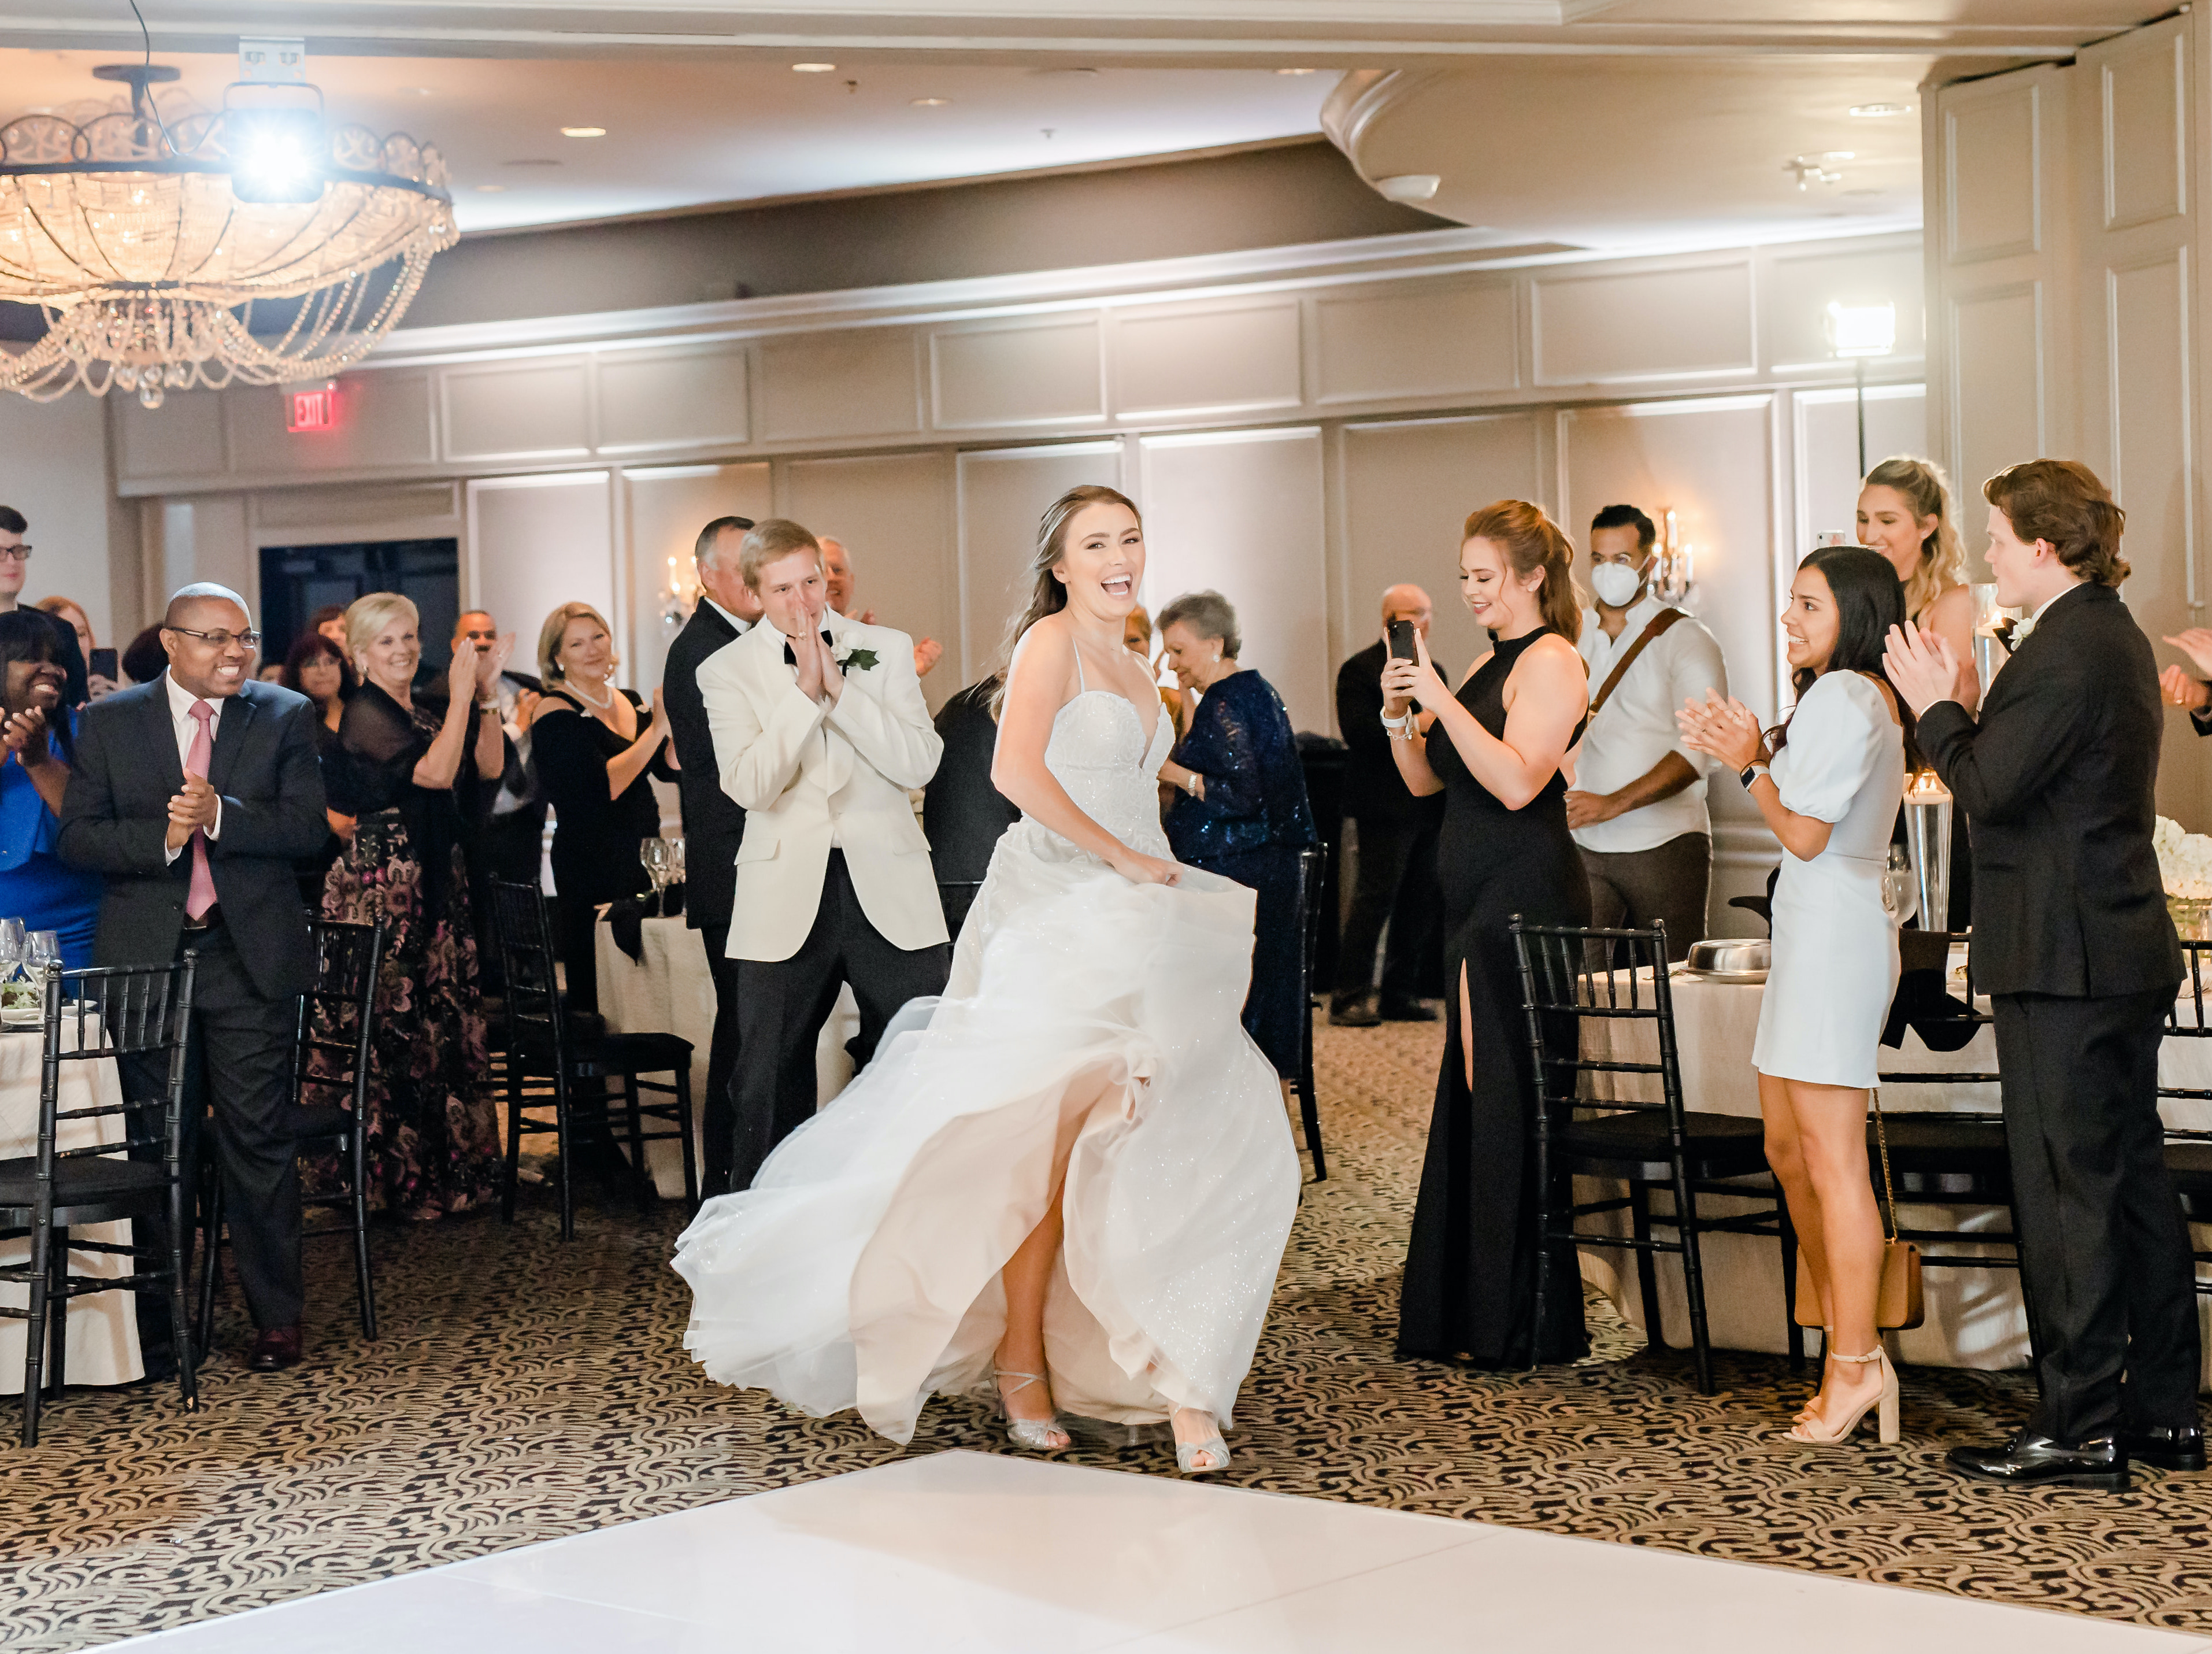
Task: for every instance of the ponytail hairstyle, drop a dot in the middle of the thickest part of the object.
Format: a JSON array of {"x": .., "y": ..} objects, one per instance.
[
  {"x": 1923, "y": 486},
  {"x": 1048, "y": 596},
  {"x": 1532, "y": 541}
]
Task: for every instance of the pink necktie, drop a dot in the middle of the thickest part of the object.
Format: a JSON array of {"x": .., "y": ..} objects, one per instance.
[{"x": 201, "y": 895}]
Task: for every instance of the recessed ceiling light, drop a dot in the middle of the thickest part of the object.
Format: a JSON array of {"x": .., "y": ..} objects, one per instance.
[
  {"x": 583, "y": 132},
  {"x": 931, "y": 103},
  {"x": 1876, "y": 111},
  {"x": 491, "y": 189},
  {"x": 1294, "y": 71},
  {"x": 1410, "y": 186},
  {"x": 814, "y": 69}
]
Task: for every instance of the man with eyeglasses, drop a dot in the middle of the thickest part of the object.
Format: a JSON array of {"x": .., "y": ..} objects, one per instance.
[
  {"x": 193, "y": 796},
  {"x": 14, "y": 571}
]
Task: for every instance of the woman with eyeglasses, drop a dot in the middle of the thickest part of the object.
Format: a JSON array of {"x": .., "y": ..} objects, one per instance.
[{"x": 35, "y": 884}]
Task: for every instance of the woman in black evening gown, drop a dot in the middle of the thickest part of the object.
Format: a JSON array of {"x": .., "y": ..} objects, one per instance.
[
  {"x": 1494, "y": 752},
  {"x": 593, "y": 747}
]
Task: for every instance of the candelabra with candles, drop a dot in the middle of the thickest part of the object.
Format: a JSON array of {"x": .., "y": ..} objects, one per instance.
[
  {"x": 679, "y": 596},
  {"x": 1671, "y": 578}
]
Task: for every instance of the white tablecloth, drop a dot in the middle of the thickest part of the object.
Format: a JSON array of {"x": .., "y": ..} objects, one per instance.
[
  {"x": 103, "y": 1331},
  {"x": 1975, "y": 1316},
  {"x": 670, "y": 991}
]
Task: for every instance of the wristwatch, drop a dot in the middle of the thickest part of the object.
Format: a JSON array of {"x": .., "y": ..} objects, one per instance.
[
  {"x": 1401, "y": 727},
  {"x": 1756, "y": 767}
]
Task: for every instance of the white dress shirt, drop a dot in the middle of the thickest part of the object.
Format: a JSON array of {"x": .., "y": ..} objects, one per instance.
[
  {"x": 743, "y": 626},
  {"x": 1637, "y": 728},
  {"x": 181, "y": 702},
  {"x": 2020, "y": 632}
]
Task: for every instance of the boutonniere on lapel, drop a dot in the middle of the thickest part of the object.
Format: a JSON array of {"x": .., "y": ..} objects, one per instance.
[{"x": 855, "y": 660}]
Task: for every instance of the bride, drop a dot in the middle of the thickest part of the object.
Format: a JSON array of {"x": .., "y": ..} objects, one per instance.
[{"x": 1071, "y": 1179}]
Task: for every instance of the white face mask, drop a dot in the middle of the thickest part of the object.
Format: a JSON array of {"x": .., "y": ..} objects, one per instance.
[{"x": 1615, "y": 584}]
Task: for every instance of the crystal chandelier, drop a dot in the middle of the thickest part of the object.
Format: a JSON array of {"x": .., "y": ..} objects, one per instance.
[{"x": 147, "y": 243}]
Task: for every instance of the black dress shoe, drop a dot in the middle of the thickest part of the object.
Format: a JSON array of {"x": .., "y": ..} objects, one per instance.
[
  {"x": 1408, "y": 1011},
  {"x": 2170, "y": 1447},
  {"x": 2032, "y": 1461},
  {"x": 1355, "y": 1010},
  {"x": 275, "y": 1349}
]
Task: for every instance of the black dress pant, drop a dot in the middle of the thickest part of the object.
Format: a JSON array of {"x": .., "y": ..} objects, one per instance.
[
  {"x": 783, "y": 1004},
  {"x": 2104, "y": 1247},
  {"x": 240, "y": 1062},
  {"x": 1396, "y": 884},
  {"x": 720, "y": 1119}
]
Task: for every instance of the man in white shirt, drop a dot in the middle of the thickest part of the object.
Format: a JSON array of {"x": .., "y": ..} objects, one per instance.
[
  {"x": 1638, "y": 806},
  {"x": 837, "y": 572}
]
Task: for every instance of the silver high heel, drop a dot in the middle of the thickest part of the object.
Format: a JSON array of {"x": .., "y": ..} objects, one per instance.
[
  {"x": 1187, "y": 1455},
  {"x": 1885, "y": 1399},
  {"x": 1038, "y": 1435}
]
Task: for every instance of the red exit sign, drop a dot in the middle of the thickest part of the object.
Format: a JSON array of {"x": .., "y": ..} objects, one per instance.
[{"x": 313, "y": 410}]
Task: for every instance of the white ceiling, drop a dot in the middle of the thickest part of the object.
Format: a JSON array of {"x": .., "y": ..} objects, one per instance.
[{"x": 1604, "y": 123}]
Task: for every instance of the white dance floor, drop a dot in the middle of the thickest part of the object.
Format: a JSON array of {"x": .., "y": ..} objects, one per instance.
[{"x": 970, "y": 1552}]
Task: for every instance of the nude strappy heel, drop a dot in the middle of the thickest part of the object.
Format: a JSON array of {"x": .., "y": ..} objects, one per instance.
[
  {"x": 1038, "y": 1435},
  {"x": 1827, "y": 1343},
  {"x": 1885, "y": 1399}
]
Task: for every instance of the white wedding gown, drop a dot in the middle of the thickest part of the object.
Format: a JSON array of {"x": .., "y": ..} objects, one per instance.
[{"x": 1090, "y": 1023}]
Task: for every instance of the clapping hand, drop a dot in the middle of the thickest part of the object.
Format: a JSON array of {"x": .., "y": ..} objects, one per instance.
[
  {"x": 525, "y": 709},
  {"x": 1720, "y": 727},
  {"x": 1922, "y": 665},
  {"x": 461, "y": 676},
  {"x": 24, "y": 735},
  {"x": 1405, "y": 681},
  {"x": 491, "y": 662},
  {"x": 2177, "y": 687},
  {"x": 661, "y": 726},
  {"x": 191, "y": 809},
  {"x": 927, "y": 653}
]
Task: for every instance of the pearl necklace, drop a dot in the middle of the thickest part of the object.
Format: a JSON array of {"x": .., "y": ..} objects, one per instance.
[{"x": 577, "y": 684}]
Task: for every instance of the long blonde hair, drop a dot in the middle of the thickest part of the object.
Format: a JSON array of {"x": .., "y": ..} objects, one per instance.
[
  {"x": 1942, "y": 554},
  {"x": 1048, "y": 596}
]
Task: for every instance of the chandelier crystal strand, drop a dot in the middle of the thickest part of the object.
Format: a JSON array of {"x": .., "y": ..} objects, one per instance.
[{"x": 146, "y": 264}]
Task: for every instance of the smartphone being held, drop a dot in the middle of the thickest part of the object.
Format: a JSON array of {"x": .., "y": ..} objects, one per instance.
[{"x": 1402, "y": 641}]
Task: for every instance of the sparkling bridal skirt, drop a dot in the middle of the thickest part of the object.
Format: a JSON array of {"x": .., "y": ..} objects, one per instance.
[{"x": 1090, "y": 1026}]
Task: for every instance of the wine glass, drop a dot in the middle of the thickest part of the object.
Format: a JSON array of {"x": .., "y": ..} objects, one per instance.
[
  {"x": 653, "y": 853},
  {"x": 675, "y": 860},
  {"x": 42, "y": 948},
  {"x": 1901, "y": 890}
]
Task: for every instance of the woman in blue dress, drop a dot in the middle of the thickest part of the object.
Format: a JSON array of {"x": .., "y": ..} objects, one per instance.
[
  {"x": 35, "y": 886},
  {"x": 1240, "y": 809}
]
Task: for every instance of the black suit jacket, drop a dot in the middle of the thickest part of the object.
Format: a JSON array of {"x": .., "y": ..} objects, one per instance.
[
  {"x": 963, "y": 815},
  {"x": 1373, "y": 788},
  {"x": 115, "y": 821},
  {"x": 2056, "y": 782},
  {"x": 714, "y": 822}
]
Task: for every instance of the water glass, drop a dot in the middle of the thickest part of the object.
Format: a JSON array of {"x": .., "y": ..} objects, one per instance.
[
  {"x": 1900, "y": 887},
  {"x": 42, "y": 948},
  {"x": 653, "y": 853},
  {"x": 675, "y": 860}
]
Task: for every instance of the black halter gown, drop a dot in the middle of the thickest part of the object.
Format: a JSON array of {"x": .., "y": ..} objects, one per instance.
[{"x": 1470, "y": 1270}]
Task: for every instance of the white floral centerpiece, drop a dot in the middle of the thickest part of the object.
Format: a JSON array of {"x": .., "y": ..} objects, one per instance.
[{"x": 2184, "y": 866}]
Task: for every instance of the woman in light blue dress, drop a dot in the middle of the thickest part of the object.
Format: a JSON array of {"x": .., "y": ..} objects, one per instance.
[
  {"x": 1828, "y": 784},
  {"x": 36, "y": 885}
]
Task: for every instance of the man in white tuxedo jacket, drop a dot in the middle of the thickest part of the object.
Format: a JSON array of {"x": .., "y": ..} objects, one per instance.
[{"x": 819, "y": 729}]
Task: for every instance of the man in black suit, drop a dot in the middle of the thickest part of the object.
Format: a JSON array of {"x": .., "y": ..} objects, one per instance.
[
  {"x": 1397, "y": 859},
  {"x": 2072, "y": 942},
  {"x": 193, "y": 796},
  {"x": 713, "y": 823},
  {"x": 510, "y": 842}
]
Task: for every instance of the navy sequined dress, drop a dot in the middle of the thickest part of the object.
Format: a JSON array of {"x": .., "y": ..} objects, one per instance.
[{"x": 1250, "y": 826}]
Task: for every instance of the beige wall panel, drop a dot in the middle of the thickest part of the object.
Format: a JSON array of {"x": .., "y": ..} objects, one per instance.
[
  {"x": 1029, "y": 373},
  {"x": 55, "y": 467},
  {"x": 1591, "y": 330},
  {"x": 1240, "y": 513},
  {"x": 383, "y": 420},
  {"x": 667, "y": 507},
  {"x": 1711, "y": 463},
  {"x": 346, "y": 511},
  {"x": 1993, "y": 169},
  {"x": 2144, "y": 88},
  {"x": 523, "y": 410},
  {"x": 181, "y": 439},
  {"x": 1430, "y": 341},
  {"x": 1002, "y": 494},
  {"x": 535, "y": 543},
  {"x": 894, "y": 513},
  {"x": 1224, "y": 358},
  {"x": 1828, "y": 456},
  {"x": 862, "y": 383},
  {"x": 1997, "y": 396},
  {"x": 205, "y": 538},
  {"x": 1794, "y": 306},
  {"x": 681, "y": 399},
  {"x": 1408, "y": 488}
]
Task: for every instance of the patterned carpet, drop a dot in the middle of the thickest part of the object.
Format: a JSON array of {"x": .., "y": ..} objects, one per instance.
[{"x": 524, "y": 1390}]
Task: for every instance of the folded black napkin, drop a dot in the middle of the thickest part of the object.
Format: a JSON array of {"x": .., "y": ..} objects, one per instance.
[{"x": 626, "y": 918}]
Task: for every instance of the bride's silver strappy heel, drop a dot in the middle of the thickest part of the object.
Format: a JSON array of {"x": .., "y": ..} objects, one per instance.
[
  {"x": 1187, "y": 1455},
  {"x": 1038, "y": 1435}
]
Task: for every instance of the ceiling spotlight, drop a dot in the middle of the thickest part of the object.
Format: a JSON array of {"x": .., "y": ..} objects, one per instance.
[
  {"x": 583, "y": 132},
  {"x": 1876, "y": 111},
  {"x": 1410, "y": 186},
  {"x": 814, "y": 69},
  {"x": 1294, "y": 71},
  {"x": 931, "y": 103}
]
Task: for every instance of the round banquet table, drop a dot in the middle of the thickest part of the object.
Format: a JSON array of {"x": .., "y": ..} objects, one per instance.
[
  {"x": 103, "y": 1329},
  {"x": 669, "y": 990},
  {"x": 1975, "y": 1316}
]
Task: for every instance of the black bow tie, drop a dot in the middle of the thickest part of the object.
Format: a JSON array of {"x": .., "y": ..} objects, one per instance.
[{"x": 791, "y": 660}]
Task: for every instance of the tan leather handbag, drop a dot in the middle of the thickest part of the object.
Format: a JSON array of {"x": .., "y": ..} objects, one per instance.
[{"x": 1898, "y": 1304}]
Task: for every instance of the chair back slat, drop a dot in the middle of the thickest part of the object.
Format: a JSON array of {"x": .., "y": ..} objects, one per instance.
[
  {"x": 524, "y": 928},
  {"x": 100, "y": 1015},
  {"x": 336, "y": 1014},
  {"x": 1577, "y": 981}
]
